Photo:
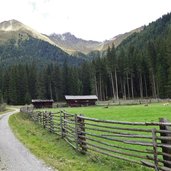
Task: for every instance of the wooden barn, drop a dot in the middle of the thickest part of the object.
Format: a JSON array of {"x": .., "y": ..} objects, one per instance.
[
  {"x": 75, "y": 101},
  {"x": 37, "y": 103}
]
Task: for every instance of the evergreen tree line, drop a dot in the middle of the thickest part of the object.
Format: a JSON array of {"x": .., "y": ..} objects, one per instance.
[
  {"x": 140, "y": 67},
  {"x": 21, "y": 83}
]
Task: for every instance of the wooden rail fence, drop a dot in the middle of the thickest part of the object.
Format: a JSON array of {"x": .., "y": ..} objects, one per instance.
[{"x": 144, "y": 143}]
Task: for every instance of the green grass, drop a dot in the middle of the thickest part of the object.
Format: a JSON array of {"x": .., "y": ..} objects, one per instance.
[
  {"x": 139, "y": 113},
  {"x": 57, "y": 153},
  {"x": 132, "y": 113},
  {"x": 5, "y": 111}
]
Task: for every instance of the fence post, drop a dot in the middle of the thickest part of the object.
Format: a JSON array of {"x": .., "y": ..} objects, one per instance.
[
  {"x": 61, "y": 124},
  {"x": 50, "y": 121},
  {"x": 81, "y": 134},
  {"x": 51, "y": 127},
  {"x": 38, "y": 117},
  {"x": 44, "y": 122},
  {"x": 64, "y": 124},
  {"x": 155, "y": 148},
  {"x": 41, "y": 118},
  {"x": 165, "y": 142},
  {"x": 76, "y": 132}
]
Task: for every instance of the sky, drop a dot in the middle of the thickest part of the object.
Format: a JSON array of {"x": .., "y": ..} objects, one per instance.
[{"x": 88, "y": 19}]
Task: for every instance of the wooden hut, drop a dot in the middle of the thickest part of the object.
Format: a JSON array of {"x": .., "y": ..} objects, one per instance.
[
  {"x": 87, "y": 100},
  {"x": 37, "y": 103}
]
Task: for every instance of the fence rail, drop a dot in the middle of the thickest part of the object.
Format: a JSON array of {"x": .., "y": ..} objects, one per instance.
[{"x": 144, "y": 143}]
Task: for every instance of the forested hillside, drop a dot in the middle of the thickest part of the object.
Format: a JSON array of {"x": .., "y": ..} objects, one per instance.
[
  {"x": 140, "y": 67},
  {"x": 33, "y": 50}
]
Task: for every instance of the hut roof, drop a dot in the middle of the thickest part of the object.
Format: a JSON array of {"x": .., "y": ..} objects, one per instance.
[
  {"x": 39, "y": 100},
  {"x": 87, "y": 97}
]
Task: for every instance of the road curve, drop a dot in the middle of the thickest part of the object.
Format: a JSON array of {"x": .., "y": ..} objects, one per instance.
[{"x": 13, "y": 155}]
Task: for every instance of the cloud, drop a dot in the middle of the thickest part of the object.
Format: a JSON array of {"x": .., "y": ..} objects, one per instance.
[
  {"x": 33, "y": 5},
  {"x": 88, "y": 19}
]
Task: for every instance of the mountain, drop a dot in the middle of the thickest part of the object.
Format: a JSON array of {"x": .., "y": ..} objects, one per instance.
[
  {"x": 16, "y": 40},
  {"x": 14, "y": 29},
  {"x": 117, "y": 40},
  {"x": 21, "y": 44},
  {"x": 73, "y": 45}
]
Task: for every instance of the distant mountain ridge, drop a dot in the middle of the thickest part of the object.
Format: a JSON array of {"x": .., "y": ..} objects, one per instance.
[
  {"x": 17, "y": 40},
  {"x": 72, "y": 45},
  {"x": 117, "y": 40}
]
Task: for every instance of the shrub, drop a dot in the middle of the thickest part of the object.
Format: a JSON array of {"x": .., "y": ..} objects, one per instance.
[{"x": 2, "y": 107}]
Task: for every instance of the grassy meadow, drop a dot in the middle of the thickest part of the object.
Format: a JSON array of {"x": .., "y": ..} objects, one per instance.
[{"x": 135, "y": 113}]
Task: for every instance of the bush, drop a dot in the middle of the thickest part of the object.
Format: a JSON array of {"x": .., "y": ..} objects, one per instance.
[{"x": 2, "y": 107}]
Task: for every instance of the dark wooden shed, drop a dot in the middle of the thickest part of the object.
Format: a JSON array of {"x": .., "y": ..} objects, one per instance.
[
  {"x": 87, "y": 100},
  {"x": 37, "y": 103}
]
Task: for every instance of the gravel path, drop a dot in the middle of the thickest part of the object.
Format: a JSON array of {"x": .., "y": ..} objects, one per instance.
[{"x": 13, "y": 155}]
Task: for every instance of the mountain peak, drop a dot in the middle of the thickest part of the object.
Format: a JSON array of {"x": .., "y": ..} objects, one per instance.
[
  {"x": 64, "y": 36},
  {"x": 71, "y": 44},
  {"x": 16, "y": 27},
  {"x": 11, "y": 25},
  {"x": 67, "y": 34}
]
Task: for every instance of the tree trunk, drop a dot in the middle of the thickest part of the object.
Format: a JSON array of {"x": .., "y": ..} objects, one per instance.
[
  {"x": 100, "y": 87},
  {"x": 50, "y": 89},
  {"x": 157, "y": 89},
  {"x": 145, "y": 84},
  {"x": 116, "y": 82},
  {"x": 132, "y": 86},
  {"x": 56, "y": 94},
  {"x": 124, "y": 90},
  {"x": 96, "y": 89},
  {"x": 106, "y": 95},
  {"x": 154, "y": 86},
  {"x": 141, "y": 86},
  {"x": 113, "y": 88},
  {"x": 128, "y": 89}
]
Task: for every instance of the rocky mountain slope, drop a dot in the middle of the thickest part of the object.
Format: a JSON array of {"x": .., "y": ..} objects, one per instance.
[
  {"x": 74, "y": 45},
  {"x": 14, "y": 29},
  {"x": 21, "y": 44}
]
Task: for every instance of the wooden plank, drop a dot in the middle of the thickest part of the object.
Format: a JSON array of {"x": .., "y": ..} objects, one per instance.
[
  {"x": 128, "y": 123},
  {"x": 119, "y": 128},
  {"x": 118, "y": 146},
  {"x": 121, "y": 134},
  {"x": 166, "y": 142},
  {"x": 155, "y": 149},
  {"x": 142, "y": 143}
]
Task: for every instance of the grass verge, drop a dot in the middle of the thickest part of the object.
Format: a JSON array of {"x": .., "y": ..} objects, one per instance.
[
  {"x": 57, "y": 153},
  {"x": 5, "y": 111}
]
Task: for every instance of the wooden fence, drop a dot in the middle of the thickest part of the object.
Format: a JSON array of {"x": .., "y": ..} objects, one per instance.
[{"x": 144, "y": 143}]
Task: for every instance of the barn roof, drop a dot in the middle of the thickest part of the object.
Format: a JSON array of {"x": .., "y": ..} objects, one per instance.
[
  {"x": 87, "y": 97},
  {"x": 39, "y": 100}
]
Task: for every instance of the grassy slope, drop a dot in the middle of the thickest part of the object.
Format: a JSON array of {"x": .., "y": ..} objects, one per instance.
[{"x": 58, "y": 153}]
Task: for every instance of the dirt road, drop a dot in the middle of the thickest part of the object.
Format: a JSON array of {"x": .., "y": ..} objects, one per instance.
[{"x": 13, "y": 155}]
